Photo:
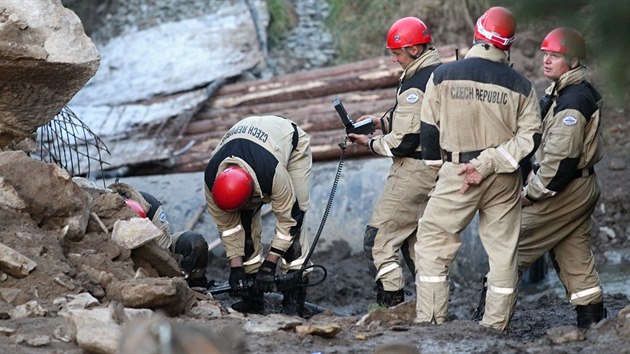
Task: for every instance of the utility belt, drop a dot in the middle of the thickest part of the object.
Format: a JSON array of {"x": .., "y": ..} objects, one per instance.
[
  {"x": 415, "y": 155},
  {"x": 462, "y": 157},
  {"x": 583, "y": 172}
]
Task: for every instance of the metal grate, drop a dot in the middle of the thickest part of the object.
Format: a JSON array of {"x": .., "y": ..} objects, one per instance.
[{"x": 69, "y": 143}]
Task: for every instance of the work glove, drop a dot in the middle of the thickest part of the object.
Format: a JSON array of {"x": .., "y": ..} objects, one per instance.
[
  {"x": 237, "y": 280},
  {"x": 265, "y": 279}
]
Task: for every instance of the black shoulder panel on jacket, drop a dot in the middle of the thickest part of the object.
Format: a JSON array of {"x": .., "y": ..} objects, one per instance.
[
  {"x": 419, "y": 79},
  {"x": 483, "y": 71},
  {"x": 257, "y": 157},
  {"x": 582, "y": 97}
]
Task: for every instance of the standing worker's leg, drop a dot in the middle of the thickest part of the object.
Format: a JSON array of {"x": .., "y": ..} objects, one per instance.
[
  {"x": 447, "y": 213},
  {"x": 394, "y": 220},
  {"x": 499, "y": 227},
  {"x": 576, "y": 269}
]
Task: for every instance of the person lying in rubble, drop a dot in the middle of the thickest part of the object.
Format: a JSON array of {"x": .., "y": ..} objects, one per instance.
[
  {"x": 261, "y": 160},
  {"x": 189, "y": 248}
]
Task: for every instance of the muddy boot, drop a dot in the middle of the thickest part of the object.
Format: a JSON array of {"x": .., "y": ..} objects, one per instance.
[
  {"x": 253, "y": 302},
  {"x": 590, "y": 314},
  {"x": 293, "y": 299},
  {"x": 388, "y": 298},
  {"x": 479, "y": 311}
]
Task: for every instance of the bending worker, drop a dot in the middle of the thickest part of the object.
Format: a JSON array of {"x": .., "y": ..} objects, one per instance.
[{"x": 261, "y": 159}]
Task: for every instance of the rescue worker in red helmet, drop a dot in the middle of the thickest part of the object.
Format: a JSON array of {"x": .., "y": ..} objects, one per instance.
[
  {"x": 260, "y": 160},
  {"x": 562, "y": 190},
  {"x": 480, "y": 119},
  {"x": 189, "y": 248},
  {"x": 392, "y": 226}
]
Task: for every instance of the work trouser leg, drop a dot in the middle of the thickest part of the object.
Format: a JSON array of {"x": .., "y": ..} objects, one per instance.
[
  {"x": 447, "y": 213},
  {"x": 252, "y": 226},
  {"x": 299, "y": 168},
  {"x": 394, "y": 220},
  {"x": 499, "y": 227}
]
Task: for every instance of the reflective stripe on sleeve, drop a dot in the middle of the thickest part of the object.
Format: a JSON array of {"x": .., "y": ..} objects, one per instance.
[
  {"x": 586, "y": 292},
  {"x": 509, "y": 157},
  {"x": 283, "y": 236},
  {"x": 254, "y": 260},
  {"x": 231, "y": 231}
]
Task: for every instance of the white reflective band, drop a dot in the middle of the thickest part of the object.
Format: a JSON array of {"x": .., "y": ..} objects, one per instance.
[
  {"x": 503, "y": 291},
  {"x": 509, "y": 157},
  {"x": 388, "y": 152},
  {"x": 283, "y": 236},
  {"x": 231, "y": 231},
  {"x": 387, "y": 269},
  {"x": 433, "y": 162},
  {"x": 432, "y": 278},
  {"x": 586, "y": 292},
  {"x": 536, "y": 181},
  {"x": 491, "y": 35},
  {"x": 254, "y": 260}
]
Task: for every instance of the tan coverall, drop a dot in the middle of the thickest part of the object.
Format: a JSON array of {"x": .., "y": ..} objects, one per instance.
[
  {"x": 475, "y": 110},
  {"x": 565, "y": 189},
  {"x": 394, "y": 219},
  {"x": 277, "y": 154}
]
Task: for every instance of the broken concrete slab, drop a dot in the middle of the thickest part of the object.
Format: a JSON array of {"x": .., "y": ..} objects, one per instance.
[{"x": 14, "y": 263}]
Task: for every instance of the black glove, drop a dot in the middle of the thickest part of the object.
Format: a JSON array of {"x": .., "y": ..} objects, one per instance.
[
  {"x": 265, "y": 279},
  {"x": 238, "y": 278}
]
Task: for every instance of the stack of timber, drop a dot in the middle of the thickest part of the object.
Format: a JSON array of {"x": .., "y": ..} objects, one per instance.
[{"x": 365, "y": 87}]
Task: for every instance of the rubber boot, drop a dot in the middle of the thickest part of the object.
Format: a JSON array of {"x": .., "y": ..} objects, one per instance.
[
  {"x": 293, "y": 299},
  {"x": 388, "y": 298},
  {"x": 479, "y": 311},
  {"x": 590, "y": 314}
]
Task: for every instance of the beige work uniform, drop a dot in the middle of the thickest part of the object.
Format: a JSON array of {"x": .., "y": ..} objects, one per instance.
[
  {"x": 276, "y": 153},
  {"x": 477, "y": 110},
  {"x": 565, "y": 189},
  {"x": 394, "y": 219}
]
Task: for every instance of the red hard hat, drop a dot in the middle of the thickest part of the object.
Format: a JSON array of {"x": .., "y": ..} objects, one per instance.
[
  {"x": 566, "y": 41},
  {"x": 135, "y": 206},
  {"x": 406, "y": 32},
  {"x": 496, "y": 26},
  {"x": 232, "y": 188}
]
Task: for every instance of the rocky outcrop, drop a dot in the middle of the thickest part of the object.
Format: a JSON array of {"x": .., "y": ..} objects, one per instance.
[{"x": 45, "y": 58}]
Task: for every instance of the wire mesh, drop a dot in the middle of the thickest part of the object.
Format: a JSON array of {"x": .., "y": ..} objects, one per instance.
[{"x": 72, "y": 145}]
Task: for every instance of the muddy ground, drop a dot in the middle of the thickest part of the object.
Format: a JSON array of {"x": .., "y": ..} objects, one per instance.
[{"x": 538, "y": 326}]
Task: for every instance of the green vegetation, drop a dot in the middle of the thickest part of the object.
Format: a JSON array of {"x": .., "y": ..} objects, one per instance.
[
  {"x": 605, "y": 25},
  {"x": 282, "y": 18}
]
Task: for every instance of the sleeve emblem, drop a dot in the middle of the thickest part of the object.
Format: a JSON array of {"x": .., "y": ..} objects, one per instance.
[
  {"x": 569, "y": 120},
  {"x": 412, "y": 98}
]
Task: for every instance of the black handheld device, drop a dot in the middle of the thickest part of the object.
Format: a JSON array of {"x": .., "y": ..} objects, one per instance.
[{"x": 364, "y": 127}]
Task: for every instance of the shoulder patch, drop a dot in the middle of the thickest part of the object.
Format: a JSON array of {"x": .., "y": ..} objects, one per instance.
[
  {"x": 412, "y": 98},
  {"x": 569, "y": 120}
]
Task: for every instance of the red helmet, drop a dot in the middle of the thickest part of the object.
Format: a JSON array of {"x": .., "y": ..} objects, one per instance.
[
  {"x": 406, "y": 32},
  {"x": 496, "y": 26},
  {"x": 566, "y": 41},
  {"x": 135, "y": 206},
  {"x": 232, "y": 188}
]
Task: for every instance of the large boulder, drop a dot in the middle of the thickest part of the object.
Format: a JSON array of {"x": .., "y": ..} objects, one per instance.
[{"x": 45, "y": 58}]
